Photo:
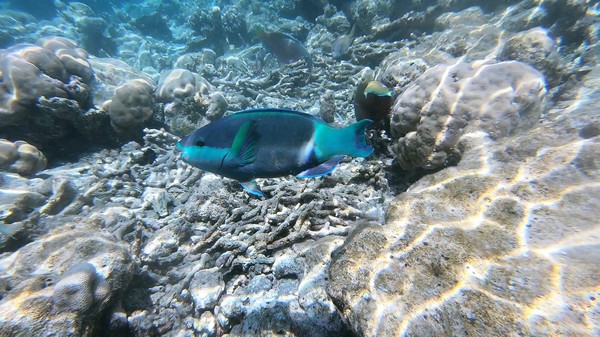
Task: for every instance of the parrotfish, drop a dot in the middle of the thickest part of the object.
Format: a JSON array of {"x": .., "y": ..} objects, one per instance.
[
  {"x": 268, "y": 143},
  {"x": 286, "y": 48},
  {"x": 379, "y": 89}
]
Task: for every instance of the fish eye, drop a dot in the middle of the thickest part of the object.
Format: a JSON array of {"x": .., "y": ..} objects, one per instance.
[{"x": 200, "y": 143}]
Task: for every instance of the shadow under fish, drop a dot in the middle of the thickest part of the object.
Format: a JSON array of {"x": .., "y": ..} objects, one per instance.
[
  {"x": 269, "y": 143},
  {"x": 284, "y": 47}
]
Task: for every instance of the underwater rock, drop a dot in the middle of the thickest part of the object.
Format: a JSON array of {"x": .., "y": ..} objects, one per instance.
[
  {"x": 95, "y": 269},
  {"x": 536, "y": 48},
  {"x": 157, "y": 199},
  {"x": 216, "y": 107},
  {"x": 476, "y": 249},
  {"x": 10, "y": 27},
  {"x": 154, "y": 25},
  {"x": 447, "y": 102},
  {"x": 74, "y": 59},
  {"x": 568, "y": 20},
  {"x": 19, "y": 197},
  {"x": 29, "y": 72},
  {"x": 63, "y": 194},
  {"x": 209, "y": 23},
  {"x": 162, "y": 249},
  {"x": 192, "y": 101},
  {"x": 335, "y": 21},
  {"x": 92, "y": 30},
  {"x": 234, "y": 25},
  {"x": 202, "y": 63},
  {"x": 327, "y": 107},
  {"x": 206, "y": 288}
]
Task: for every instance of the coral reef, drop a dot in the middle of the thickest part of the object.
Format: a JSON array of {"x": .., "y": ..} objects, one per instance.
[
  {"x": 131, "y": 105},
  {"x": 431, "y": 116},
  {"x": 45, "y": 94},
  {"x": 193, "y": 102},
  {"x": 20, "y": 157},
  {"x": 476, "y": 218},
  {"x": 536, "y": 48},
  {"x": 481, "y": 248},
  {"x": 80, "y": 288},
  {"x": 176, "y": 85},
  {"x": 91, "y": 29},
  {"x": 95, "y": 270}
]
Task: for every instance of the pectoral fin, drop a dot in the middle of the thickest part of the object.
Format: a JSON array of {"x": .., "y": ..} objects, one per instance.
[
  {"x": 252, "y": 188},
  {"x": 321, "y": 170},
  {"x": 243, "y": 148}
]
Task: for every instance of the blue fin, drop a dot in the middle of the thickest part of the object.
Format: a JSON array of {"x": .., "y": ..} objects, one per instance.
[
  {"x": 252, "y": 188},
  {"x": 243, "y": 148},
  {"x": 322, "y": 169}
]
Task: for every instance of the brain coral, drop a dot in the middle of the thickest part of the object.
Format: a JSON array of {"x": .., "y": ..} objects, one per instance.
[
  {"x": 448, "y": 101},
  {"x": 131, "y": 105},
  {"x": 79, "y": 288},
  {"x": 176, "y": 84},
  {"x": 73, "y": 58},
  {"x": 21, "y": 157},
  {"x": 536, "y": 48},
  {"x": 57, "y": 68}
]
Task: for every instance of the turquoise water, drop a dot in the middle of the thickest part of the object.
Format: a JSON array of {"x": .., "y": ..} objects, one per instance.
[{"x": 474, "y": 215}]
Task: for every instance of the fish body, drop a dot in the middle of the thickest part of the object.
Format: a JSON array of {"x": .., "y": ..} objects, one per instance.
[
  {"x": 268, "y": 143},
  {"x": 284, "y": 47},
  {"x": 340, "y": 46},
  {"x": 378, "y": 88}
]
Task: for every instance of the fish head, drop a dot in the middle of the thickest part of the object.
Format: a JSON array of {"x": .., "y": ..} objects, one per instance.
[{"x": 198, "y": 151}]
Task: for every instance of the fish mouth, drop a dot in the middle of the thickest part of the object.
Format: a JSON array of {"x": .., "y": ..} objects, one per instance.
[{"x": 184, "y": 155}]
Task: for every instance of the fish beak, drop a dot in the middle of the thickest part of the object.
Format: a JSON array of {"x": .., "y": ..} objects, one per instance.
[{"x": 183, "y": 154}]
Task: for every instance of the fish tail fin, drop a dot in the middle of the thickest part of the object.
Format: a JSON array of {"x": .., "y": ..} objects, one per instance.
[
  {"x": 348, "y": 141},
  {"x": 358, "y": 129}
]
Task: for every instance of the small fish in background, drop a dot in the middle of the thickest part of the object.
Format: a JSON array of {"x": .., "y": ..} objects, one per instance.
[
  {"x": 284, "y": 47},
  {"x": 373, "y": 100},
  {"x": 269, "y": 143},
  {"x": 341, "y": 45},
  {"x": 378, "y": 88}
]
